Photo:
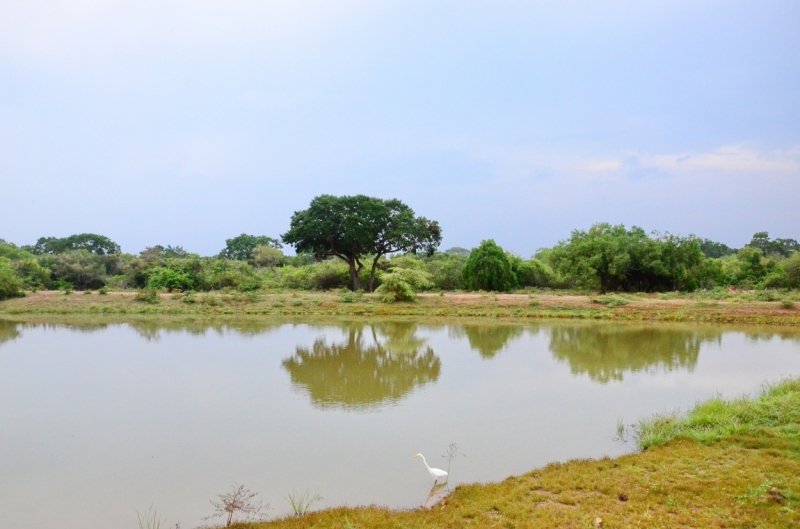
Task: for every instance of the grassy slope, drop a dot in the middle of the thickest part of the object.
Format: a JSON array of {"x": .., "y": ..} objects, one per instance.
[
  {"x": 742, "y": 308},
  {"x": 727, "y": 464}
]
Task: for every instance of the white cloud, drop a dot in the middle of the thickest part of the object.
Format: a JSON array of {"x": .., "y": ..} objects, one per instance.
[
  {"x": 597, "y": 166},
  {"x": 729, "y": 158}
]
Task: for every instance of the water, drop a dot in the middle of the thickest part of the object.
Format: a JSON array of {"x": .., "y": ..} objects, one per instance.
[{"x": 101, "y": 420}]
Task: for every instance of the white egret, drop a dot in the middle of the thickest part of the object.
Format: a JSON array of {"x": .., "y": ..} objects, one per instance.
[{"x": 436, "y": 473}]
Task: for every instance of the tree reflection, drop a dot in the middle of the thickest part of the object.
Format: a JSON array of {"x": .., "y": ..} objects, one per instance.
[
  {"x": 364, "y": 373},
  {"x": 488, "y": 340},
  {"x": 606, "y": 352},
  {"x": 8, "y": 331}
]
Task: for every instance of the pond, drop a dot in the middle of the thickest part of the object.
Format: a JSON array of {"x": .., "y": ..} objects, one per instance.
[{"x": 100, "y": 420}]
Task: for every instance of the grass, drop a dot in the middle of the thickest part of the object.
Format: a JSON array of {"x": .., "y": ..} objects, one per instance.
[
  {"x": 149, "y": 519},
  {"x": 725, "y": 464},
  {"x": 710, "y": 307},
  {"x": 776, "y": 409},
  {"x": 301, "y": 503}
]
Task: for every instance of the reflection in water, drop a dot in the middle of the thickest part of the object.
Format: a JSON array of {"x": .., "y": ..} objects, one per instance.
[
  {"x": 355, "y": 375},
  {"x": 606, "y": 352},
  {"x": 8, "y": 331},
  {"x": 488, "y": 340},
  {"x": 438, "y": 492},
  {"x": 152, "y": 329}
]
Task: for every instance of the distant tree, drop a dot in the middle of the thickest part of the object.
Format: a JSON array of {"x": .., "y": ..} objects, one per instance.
[
  {"x": 715, "y": 249},
  {"x": 241, "y": 248},
  {"x": 96, "y": 244},
  {"x": 598, "y": 257},
  {"x": 781, "y": 247},
  {"x": 614, "y": 258},
  {"x": 354, "y": 227},
  {"x": 152, "y": 253},
  {"x": 457, "y": 250},
  {"x": 489, "y": 268},
  {"x": 266, "y": 256},
  {"x": 10, "y": 284}
]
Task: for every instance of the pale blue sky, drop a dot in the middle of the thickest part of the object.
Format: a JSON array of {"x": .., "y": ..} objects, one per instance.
[{"x": 189, "y": 122}]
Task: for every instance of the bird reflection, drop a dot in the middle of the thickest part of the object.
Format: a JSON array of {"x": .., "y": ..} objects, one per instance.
[
  {"x": 364, "y": 372},
  {"x": 438, "y": 492}
]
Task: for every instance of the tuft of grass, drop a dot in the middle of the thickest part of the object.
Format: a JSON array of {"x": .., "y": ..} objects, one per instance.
[
  {"x": 777, "y": 408},
  {"x": 787, "y": 304},
  {"x": 301, "y": 503},
  {"x": 149, "y": 519},
  {"x": 87, "y": 292},
  {"x": 103, "y": 291},
  {"x": 147, "y": 295},
  {"x": 610, "y": 300}
]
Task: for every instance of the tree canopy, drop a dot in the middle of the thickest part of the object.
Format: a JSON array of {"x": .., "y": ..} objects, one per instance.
[
  {"x": 614, "y": 258},
  {"x": 96, "y": 244},
  {"x": 241, "y": 248},
  {"x": 352, "y": 228},
  {"x": 489, "y": 268},
  {"x": 781, "y": 247}
]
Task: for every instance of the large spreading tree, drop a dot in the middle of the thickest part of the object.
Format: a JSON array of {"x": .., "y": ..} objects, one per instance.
[
  {"x": 97, "y": 244},
  {"x": 355, "y": 228}
]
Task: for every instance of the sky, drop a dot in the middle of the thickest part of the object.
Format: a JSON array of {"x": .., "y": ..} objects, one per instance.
[{"x": 188, "y": 122}]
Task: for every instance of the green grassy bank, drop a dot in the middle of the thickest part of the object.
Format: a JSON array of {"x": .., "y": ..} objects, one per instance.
[
  {"x": 735, "y": 308},
  {"x": 725, "y": 464}
]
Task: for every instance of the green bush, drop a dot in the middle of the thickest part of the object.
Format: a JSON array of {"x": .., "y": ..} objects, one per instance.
[
  {"x": 147, "y": 295},
  {"x": 34, "y": 276},
  {"x": 81, "y": 268},
  {"x": 325, "y": 275},
  {"x": 791, "y": 267},
  {"x": 446, "y": 269},
  {"x": 13, "y": 252},
  {"x": 169, "y": 279},
  {"x": 533, "y": 273},
  {"x": 219, "y": 273},
  {"x": 10, "y": 284},
  {"x": 401, "y": 284},
  {"x": 488, "y": 268},
  {"x": 611, "y": 301},
  {"x": 266, "y": 256}
]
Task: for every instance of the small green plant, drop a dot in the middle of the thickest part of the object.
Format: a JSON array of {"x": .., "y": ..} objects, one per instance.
[
  {"x": 277, "y": 304},
  {"x": 87, "y": 292},
  {"x": 189, "y": 297},
  {"x": 103, "y": 291},
  {"x": 402, "y": 284},
  {"x": 149, "y": 519},
  {"x": 348, "y": 296},
  {"x": 297, "y": 303},
  {"x": 147, "y": 295},
  {"x": 787, "y": 304},
  {"x": 301, "y": 503},
  {"x": 610, "y": 300},
  {"x": 533, "y": 303}
]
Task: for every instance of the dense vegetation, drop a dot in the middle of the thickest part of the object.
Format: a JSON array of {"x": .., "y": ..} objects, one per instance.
[{"x": 336, "y": 236}]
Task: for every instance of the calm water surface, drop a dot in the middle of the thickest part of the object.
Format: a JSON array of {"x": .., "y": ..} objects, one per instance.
[{"x": 100, "y": 420}]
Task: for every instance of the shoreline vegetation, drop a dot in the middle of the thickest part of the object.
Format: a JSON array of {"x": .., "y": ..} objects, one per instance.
[
  {"x": 726, "y": 463},
  {"x": 739, "y": 307}
]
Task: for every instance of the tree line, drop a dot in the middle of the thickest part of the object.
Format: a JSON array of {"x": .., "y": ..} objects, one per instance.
[{"x": 361, "y": 242}]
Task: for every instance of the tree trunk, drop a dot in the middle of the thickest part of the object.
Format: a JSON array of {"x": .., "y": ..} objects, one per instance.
[
  {"x": 354, "y": 273},
  {"x": 372, "y": 273}
]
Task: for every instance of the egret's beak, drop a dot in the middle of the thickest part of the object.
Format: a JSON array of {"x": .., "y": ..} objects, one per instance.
[{"x": 414, "y": 457}]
